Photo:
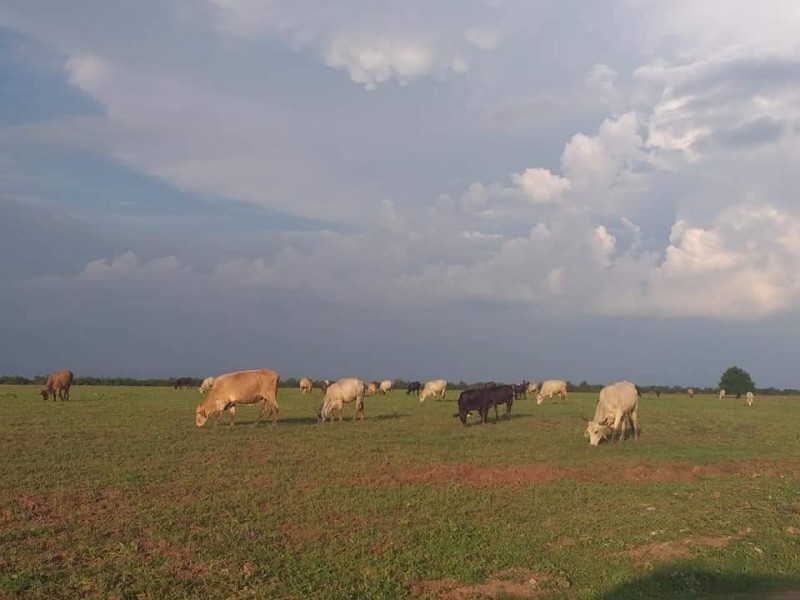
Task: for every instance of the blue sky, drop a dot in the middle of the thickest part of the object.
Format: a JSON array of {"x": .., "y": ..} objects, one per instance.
[{"x": 471, "y": 190}]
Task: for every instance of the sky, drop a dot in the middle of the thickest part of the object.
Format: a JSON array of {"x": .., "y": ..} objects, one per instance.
[{"x": 463, "y": 189}]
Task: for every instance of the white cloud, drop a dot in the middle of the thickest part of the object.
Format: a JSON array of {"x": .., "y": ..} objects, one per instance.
[
  {"x": 485, "y": 39},
  {"x": 372, "y": 61},
  {"x": 541, "y": 185}
]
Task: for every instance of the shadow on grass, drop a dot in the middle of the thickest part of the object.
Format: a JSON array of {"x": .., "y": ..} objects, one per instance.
[
  {"x": 681, "y": 580},
  {"x": 310, "y": 420}
]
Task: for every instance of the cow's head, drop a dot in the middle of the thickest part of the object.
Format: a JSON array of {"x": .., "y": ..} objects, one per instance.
[
  {"x": 200, "y": 416},
  {"x": 45, "y": 392},
  {"x": 539, "y": 399},
  {"x": 596, "y": 431}
]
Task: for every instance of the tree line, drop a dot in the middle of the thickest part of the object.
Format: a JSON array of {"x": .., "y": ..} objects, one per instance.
[{"x": 734, "y": 380}]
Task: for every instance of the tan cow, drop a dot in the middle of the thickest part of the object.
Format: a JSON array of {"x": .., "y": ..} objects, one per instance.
[
  {"x": 749, "y": 398},
  {"x": 721, "y": 394},
  {"x": 241, "y": 387},
  {"x": 618, "y": 403},
  {"x": 58, "y": 382},
  {"x": 386, "y": 386},
  {"x": 550, "y": 387},
  {"x": 306, "y": 385},
  {"x": 433, "y": 387},
  {"x": 349, "y": 389},
  {"x": 690, "y": 393},
  {"x": 206, "y": 385},
  {"x": 372, "y": 388},
  {"x": 532, "y": 387}
]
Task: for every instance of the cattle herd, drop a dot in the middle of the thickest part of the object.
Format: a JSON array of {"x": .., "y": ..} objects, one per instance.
[{"x": 617, "y": 407}]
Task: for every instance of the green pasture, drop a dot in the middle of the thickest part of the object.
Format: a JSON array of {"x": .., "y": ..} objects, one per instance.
[{"x": 116, "y": 493}]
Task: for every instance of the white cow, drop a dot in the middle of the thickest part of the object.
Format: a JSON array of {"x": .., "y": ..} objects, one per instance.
[
  {"x": 618, "y": 402},
  {"x": 242, "y": 387},
  {"x": 306, "y": 385},
  {"x": 721, "y": 394},
  {"x": 386, "y": 386},
  {"x": 206, "y": 385},
  {"x": 550, "y": 387},
  {"x": 349, "y": 389},
  {"x": 433, "y": 387},
  {"x": 532, "y": 387},
  {"x": 749, "y": 398}
]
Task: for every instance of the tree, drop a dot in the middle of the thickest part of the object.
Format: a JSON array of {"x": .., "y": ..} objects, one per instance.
[{"x": 736, "y": 381}]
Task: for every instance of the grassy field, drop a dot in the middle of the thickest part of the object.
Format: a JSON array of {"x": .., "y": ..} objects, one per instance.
[{"x": 116, "y": 493}]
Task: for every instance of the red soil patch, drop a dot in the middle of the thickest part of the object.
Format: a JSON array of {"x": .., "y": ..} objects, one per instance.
[
  {"x": 516, "y": 583},
  {"x": 683, "y": 548},
  {"x": 482, "y": 476}
]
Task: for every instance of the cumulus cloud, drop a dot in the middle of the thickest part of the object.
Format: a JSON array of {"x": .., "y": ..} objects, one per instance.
[{"x": 541, "y": 185}]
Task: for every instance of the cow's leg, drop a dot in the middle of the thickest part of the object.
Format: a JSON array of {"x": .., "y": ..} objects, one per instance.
[
  {"x": 635, "y": 422},
  {"x": 232, "y": 412},
  {"x": 615, "y": 429}
]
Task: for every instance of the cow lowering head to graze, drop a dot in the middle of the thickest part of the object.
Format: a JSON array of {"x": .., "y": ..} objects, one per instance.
[
  {"x": 386, "y": 386},
  {"x": 434, "y": 387},
  {"x": 183, "y": 382},
  {"x": 344, "y": 391},
  {"x": 550, "y": 387},
  {"x": 305, "y": 385},
  {"x": 690, "y": 393},
  {"x": 618, "y": 402},
  {"x": 500, "y": 394},
  {"x": 323, "y": 385},
  {"x": 532, "y": 387},
  {"x": 470, "y": 400},
  {"x": 721, "y": 394},
  {"x": 206, "y": 385},
  {"x": 372, "y": 388},
  {"x": 413, "y": 388},
  {"x": 58, "y": 383},
  {"x": 241, "y": 387},
  {"x": 748, "y": 398}
]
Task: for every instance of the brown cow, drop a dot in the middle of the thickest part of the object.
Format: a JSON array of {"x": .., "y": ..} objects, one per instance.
[
  {"x": 242, "y": 387},
  {"x": 57, "y": 382},
  {"x": 306, "y": 385}
]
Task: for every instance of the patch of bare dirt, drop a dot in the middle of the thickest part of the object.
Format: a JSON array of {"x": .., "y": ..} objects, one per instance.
[
  {"x": 517, "y": 583},
  {"x": 485, "y": 476},
  {"x": 677, "y": 549}
]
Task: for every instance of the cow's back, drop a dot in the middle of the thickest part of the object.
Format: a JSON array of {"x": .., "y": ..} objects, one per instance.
[
  {"x": 246, "y": 386},
  {"x": 616, "y": 397}
]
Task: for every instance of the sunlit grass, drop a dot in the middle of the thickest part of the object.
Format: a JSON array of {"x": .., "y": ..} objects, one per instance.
[{"x": 117, "y": 492}]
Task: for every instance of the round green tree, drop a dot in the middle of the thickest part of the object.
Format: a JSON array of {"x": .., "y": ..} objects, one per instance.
[{"x": 736, "y": 381}]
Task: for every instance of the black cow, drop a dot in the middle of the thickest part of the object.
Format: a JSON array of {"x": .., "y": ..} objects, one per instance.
[
  {"x": 183, "y": 382},
  {"x": 502, "y": 394},
  {"x": 470, "y": 400},
  {"x": 521, "y": 390},
  {"x": 413, "y": 388}
]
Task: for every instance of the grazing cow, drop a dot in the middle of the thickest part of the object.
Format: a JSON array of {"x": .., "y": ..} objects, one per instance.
[
  {"x": 520, "y": 390},
  {"x": 350, "y": 389},
  {"x": 386, "y": 386},
  {"x": 618, "y": 402},
  {"x": 306, "y": 385},
  {"x": 324, "y": 384},
  {"x": 434, "y": 387},
  {"x": 470, "y": 400},
  {"x": 721, "y": 394},
  {"x": 58, "y": 384},
  {"x": 749, "y": 398},
  {"x": 501, "y": 394},
  {"x": 241, "y": 387},
  {"x": 550, "y": 387},
  {"x": 690, "y": 393},
  {"x": 372, "y": 388},
  {"x": 532, "y": 388},
  {"x": 413, "y": 388},
  {"x": 183, "y": 382},
  {"x": 206, "y": 385}
]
